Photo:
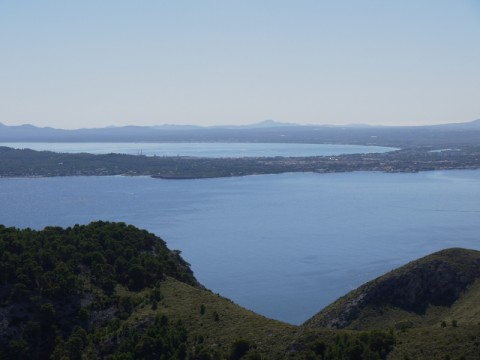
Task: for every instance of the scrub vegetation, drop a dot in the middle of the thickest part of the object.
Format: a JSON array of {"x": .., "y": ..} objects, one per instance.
[{"x": 112, "y": 291}]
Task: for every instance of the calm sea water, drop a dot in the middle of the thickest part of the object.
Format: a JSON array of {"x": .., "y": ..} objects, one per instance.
[
  {"x": 285, "y": 245},
  {"x": 204, "y": 149}
]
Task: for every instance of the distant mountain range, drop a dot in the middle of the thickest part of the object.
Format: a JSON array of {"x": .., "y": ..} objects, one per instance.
[{"x": 266, "y": 131}]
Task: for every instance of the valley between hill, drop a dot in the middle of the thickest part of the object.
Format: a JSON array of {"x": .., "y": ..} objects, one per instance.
[{"x": 110, "y": 290}]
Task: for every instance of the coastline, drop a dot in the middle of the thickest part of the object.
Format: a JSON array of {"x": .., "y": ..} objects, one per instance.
[{"x": 37, "y": 164}]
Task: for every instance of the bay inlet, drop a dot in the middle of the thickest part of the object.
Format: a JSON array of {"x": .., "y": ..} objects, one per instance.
[{"x": 283, "y": 245}]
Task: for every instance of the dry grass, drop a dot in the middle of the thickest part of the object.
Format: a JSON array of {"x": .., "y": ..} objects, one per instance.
[
  {"x": 219, "y": 322},
  {"x": 222, "y": 322}
]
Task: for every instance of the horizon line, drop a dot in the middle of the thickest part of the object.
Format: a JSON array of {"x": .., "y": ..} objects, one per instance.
[{"x": 264, "y": 123}]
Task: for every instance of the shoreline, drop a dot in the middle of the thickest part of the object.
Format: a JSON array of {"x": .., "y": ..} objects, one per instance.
[{"x": 28, "y": 163}]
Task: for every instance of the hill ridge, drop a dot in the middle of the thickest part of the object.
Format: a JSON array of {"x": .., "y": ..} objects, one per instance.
[
  {"x": 110, "y": 290},
  {"x": 437, "y": 279}
]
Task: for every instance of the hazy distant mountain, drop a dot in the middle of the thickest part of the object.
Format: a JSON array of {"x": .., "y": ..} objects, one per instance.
[
  {"x": 262, "y": 124},
  {"x": 472, "y": 125},
  {"x": 176, "y": 127},
  {"x": 265, "y": 131}
]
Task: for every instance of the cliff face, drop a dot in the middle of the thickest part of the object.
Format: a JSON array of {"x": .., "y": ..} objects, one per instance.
[{"x": 436, "y": 280}]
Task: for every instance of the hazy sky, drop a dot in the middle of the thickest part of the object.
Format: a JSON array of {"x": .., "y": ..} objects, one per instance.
[{"x": 87, "y": 63}]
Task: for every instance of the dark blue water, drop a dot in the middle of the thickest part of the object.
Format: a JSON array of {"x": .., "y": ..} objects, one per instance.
[
  {"x": 282, "y": 245},
  {"x": 215, "y": 150}
]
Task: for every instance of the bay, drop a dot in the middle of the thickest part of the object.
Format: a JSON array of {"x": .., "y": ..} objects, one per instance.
[
  {"x": 212, "y": 150},
  {"x": 284, "y": 245}
]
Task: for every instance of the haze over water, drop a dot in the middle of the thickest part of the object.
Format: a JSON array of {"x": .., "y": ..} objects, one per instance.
[{"x": 285, "y": 245}]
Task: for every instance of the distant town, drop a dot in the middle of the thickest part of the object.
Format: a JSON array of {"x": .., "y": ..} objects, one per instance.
[
  {"x": 422, "y": 148},
  {"x": 30, "y": 163}
]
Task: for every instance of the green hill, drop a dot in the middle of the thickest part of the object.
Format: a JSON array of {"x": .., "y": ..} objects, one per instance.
[
  {"x": 112, "y": 291},
  {"x": 418, "y": 291},
  {"x": 433, "y": 305}
]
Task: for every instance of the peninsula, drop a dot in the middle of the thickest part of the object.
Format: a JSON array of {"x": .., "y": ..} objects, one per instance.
[
  {"x": 30, "y": 163},
  {"x": 420, "y": 148}
]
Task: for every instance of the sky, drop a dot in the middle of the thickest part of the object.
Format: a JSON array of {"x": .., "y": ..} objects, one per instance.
[{"x": 90, "y": 63}]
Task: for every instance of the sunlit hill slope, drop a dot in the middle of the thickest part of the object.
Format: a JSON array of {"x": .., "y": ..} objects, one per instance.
[{"x": 112, "y": 291}]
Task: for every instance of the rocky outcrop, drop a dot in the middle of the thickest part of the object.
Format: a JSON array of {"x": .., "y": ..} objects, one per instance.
[{"x": 438, "y": 279}]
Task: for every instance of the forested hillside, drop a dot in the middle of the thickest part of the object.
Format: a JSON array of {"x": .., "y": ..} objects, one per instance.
[
  {"x": 58, "y": 285},
  {"x": 112, "y": 291}
]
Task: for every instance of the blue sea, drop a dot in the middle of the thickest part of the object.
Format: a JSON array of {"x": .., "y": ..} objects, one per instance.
[{"x": 284, "y": 245}]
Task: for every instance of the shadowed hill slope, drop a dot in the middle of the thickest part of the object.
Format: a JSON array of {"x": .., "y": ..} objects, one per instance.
[
  {"x": 435, "y": 281},
  {"x": 112, "y": 291}
]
